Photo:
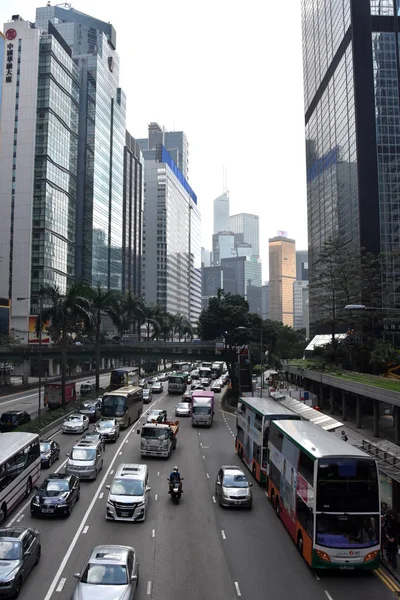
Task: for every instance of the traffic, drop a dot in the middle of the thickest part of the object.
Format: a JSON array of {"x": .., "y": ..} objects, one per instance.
[{"x": 167, "y": 515}]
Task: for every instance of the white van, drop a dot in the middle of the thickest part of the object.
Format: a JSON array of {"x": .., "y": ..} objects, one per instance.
[
  {"x": 86, "y": 459},
  {"x": 129, "y": 495}
]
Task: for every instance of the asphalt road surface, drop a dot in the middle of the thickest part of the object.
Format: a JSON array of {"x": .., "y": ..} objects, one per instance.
[{"x": 193, "y": 551}]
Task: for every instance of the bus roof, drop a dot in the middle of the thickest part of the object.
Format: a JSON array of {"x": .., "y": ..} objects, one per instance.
[
  {"x": 316, "y": 441},
  {"x": 266, "y": 407},
  {"x": 128, "y": 389},
  {"x": 125, "y": 369},
  {"x": 307, "y": 412},
  {"x": 12, "y": 441}
]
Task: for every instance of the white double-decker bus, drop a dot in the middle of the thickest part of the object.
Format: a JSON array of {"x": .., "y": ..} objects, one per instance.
[
  {"x": 326, "y": 492},
  {"x": 19, "y": 468}
]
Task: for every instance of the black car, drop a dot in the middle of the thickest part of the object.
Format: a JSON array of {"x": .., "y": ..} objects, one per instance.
[
  {"x": 56, "y": 496},
  {"x": 92, "y": 409},
  {"x": 187, "y": 396},
  {"x": 19, "y": 552},
  {"x": 12, "y": 419},
  {"x": 49, "y": 452}
]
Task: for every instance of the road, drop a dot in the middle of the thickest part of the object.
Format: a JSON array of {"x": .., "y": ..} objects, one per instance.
[
  {"x": 28, "y": 399},
  {"x": 194, "y": 550}
]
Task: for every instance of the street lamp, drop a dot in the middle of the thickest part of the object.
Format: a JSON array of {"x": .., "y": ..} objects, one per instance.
[
  {"x": 40, "y": 298},
  {"x": 363, "y": 307}
]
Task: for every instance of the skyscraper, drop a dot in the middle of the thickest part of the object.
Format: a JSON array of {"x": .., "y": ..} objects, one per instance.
[
  {"x": 223, "y": 246},
  {"x": 221, "y": 213},
  {"x": 247, "y": 272},
  {"x": 282, "y": 274},
  {"x": 99, "y": 192},
  {"x": 302, "y": 265},
  {"x": 248, "y": 225},
  {"x": 351, "y": 86},
  {"x": 174, "y": 141}
]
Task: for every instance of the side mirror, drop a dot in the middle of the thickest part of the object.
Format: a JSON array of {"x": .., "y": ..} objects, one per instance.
[
  {"x": 148, "y": 489},
  {"x": 218, "y": 482},
  {"x": 77, "y": 575},
  {"x": 108, "y": 487},
  {"x": 138, "y": 431},
  {"x": 250, "y": 485},
  {"x": 26, "y": 553},
  {"x": 134, "y": 578},
  {"x": 67, "y": 454},
  {"x": 36, "y": 487}
]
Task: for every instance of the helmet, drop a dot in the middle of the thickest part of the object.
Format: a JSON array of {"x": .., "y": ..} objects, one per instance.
[{"x": 176, "y": 469}]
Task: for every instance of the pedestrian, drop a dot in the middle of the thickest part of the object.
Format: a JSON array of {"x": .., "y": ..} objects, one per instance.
[
  {"x": 344, "y": 436},
  {"x": 392, "y": 546}
]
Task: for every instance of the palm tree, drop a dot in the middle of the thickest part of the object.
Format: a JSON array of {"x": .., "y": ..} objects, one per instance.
[
  {"x": 63, "y": 314},
  {"x": 126, "y": 311},
  {"x": 152, "y": 316},
  {"x": 183, "y": 326}
]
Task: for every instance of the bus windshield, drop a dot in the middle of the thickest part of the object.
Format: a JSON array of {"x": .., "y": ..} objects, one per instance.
[
  {"x": 118, "y": 376},
  {"x": 113, "y": 406},
  {"x": 175, "y": 379},
  {"x": 347, "y": 485},
  {"x": 347, "y": 531}
]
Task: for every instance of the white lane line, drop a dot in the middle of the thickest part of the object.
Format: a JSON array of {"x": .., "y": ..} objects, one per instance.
[
  {"x": 148, "y": 588},
  {"x": 327, "y": 594},
  {"x": 223, "y": 534},
  {"x": 84, "y": 520},
  {"x": 237, "y": 589},
  {"x": 208, "y": 477},
  {"x": 316, "y": 577},
  {"x": 214, "y": 500},
  {"x": 158, "y": 474},
  {"x": 85, "y": 529},
  {"x": 20, "y": 518},
  {"x": 201, "y": 444},
  {"x": 61, "y": 584},
  {"x": 204, "y": 457},
  {"x": 120, "y": 453},
  {"x": 25, "y": 506},
  {"x": 206, "y": 447},
  {"x": 126, "y": 441},
  {"x": 101, "y": 495},
  {"x": 199, "y": 432},
  {"x": 153, "y": 533},
  {"x": 112, "y": 471},
  {"x": 155, "y": 497}
]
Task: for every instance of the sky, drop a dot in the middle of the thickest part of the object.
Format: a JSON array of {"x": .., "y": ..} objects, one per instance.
[{"x": 229, "y": 74}]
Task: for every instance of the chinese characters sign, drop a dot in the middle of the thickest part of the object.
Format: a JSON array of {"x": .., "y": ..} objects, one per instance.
[{"x": 11, "y": 34}]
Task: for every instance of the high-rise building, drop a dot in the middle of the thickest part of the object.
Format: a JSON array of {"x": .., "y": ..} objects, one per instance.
[
  {"x": 282, "y": 274},
  {"x": 2, "y": 64},
  {"x": 38, "y": 167},
  {"x": 223, "y": 246},
  {"x": 99, "y": 190},
  {"x": 247, "y": 272},
  {"x": 221, "y": 213},
  {"x": 302, "y": 265},
  {"x": 132, "y": 229},
  {"x": 244, "y": 249},
  {"x": 214, "y": 279},
  {"x": 206, "y": 256},
  {"x": 265, "y": 300},
  {"x": 351, "y": 87},
  {"x": 174, "y": 141},
  {"x": 300, "y": 300},
  {"x": 254, "y": 298},
  {"x": 248, "y": 225},
  {"x": 171, "y": 274}
]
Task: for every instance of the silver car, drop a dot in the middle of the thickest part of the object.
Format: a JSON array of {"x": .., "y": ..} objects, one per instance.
[
  {"x": 182, "y": 409},
  {"x": 232, "y": 487},
  {"x": 108, "y": 429},
  {"x": 114, "y": 568},
  {"x": 75, "y": 424}
]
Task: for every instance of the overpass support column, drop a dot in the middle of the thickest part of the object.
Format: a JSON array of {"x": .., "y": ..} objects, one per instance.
[
  {"x": 397, "y": 425},
  {"x": 376, "y": 418},
  {"x": 358, "y": 412},
  {"x": 332, "y": 400},
  {"x": 344, "y": 406},
  {"x": 25, "y": 372}
]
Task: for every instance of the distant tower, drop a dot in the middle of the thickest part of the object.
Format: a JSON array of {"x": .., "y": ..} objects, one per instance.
[{"x": 221, "y": 213}]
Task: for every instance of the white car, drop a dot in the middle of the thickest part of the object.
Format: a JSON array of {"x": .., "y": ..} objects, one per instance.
[
  {"x": 216, "y": 386},
  {"x": 75, "y": 424},
  {"x": 182, "y": 409}
]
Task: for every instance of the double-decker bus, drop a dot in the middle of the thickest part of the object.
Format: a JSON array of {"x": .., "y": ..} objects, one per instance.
[
  {"x": 254, "y": 416},
  {"x": 327, "y": 494},
  {"x": 177, "y": 383},
  {"x": 124, "y": 404},
  {"x": 19, "y": 468},
  {"x": 123, "y": 376}
]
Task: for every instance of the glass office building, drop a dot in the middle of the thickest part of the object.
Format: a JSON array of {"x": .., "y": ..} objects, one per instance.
[
  {"x": 132, "y": 217},
  {"x": 221, "y": 213},
  {"x": 247, "y": 225},
  {"x": 174, "y": 141},
  {"x": 351, "y": 87}
]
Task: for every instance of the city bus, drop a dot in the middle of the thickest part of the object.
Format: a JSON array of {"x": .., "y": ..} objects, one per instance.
[
  {"x": 124, "y": 404},
  {"x": 252, "y": 427},
  {"x": 123, "y": 376},
  {"x": 326, "y": 492},
  {"x": 205, "y": 372},
  {"x": 177, "y": 383},
  {"x": 181, "y": 366},
  {"x": 19, "y": 468}
]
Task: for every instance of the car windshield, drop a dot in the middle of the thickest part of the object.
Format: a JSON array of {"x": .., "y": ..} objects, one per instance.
[
  {"x": 347, "y": 531},
  {"x": 146, "y": 392},
  {"x": 127, "y": 487},
  {"x": 106, "y": 424},
  {"x": 113, "y": 406},
  {"x": 154, "y": 433},
  {"x": 10, "y": 550},
  {"x": 183, "y": 405},
  {"x": 105, "y": 574},
  {"x": 154, "y": 414},
  {"x": 7, "y": 417},
  {"x": 235, "y": 480},
  {"x": 55, "y": 487},
  {"x": 83, "y": 454},
  {"x": 44, "y": 446},
  {"x": 74, "y": 419}
]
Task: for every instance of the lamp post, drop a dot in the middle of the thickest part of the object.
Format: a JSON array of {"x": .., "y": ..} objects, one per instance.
[{"x": 40, "y": 298}]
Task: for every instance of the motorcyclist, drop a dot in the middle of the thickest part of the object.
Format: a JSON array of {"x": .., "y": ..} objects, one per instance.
[{"x": 175, "y": 477}]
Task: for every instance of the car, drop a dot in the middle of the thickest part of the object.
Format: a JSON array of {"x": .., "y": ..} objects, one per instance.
[
  {"x": 187, "y": 396},
  {"x": 152, "y": 380},
  {"x": 157, "y": 415},
  {"x": 12, "y": 419},
  {"x": 182, "y": 409},
  {"x": 157, "y": 387},
  {"x": 163, "y": 377},
  {"x": 199, "y": 386},
  {"x": 108, "y": 429},
  {"x": 20, "y": 551},
  {"x": 56, "y": 496},
  {"x": 75, "y": 423},
  {"x": 114, "y": 568},
  {"x": 143, "y": 383},
  {"x": 195, "y": 374},
  {"x": 87, "y": 388},
  {"x": 221, "y": 381},
  {"x": 147, "y": 396},
  {"x": 92, "y": 409},
  {"x": 189, "y": 381},
  {"x": 216, "y": 386},
  {"x": 205, "y": 381},
  {"x": 49, "y": 452},
  {"x": 94, "y": 436},
  {"x": 232, "y": 487}
]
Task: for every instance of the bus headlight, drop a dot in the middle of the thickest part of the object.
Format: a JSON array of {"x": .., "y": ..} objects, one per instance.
[{"x": 371, "y": 555}]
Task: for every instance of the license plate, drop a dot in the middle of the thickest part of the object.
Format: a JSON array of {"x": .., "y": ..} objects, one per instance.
[
  {"x": 47, "y": 510},
  {"x": 350, "y": 568},
  {"x": 125, "y": 514}
]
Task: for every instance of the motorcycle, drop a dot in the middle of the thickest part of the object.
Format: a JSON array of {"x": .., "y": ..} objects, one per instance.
[{"x": 175, "y": 490}]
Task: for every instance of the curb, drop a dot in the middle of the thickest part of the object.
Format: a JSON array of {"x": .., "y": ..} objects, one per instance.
[{"x": 393, "y": 574}]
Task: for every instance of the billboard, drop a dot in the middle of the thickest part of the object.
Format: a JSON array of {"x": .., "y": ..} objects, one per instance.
[{"x": 33, "y": 338}]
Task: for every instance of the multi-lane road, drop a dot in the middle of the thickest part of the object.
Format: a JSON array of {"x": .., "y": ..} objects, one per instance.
[{"x": 195, "y": 550}]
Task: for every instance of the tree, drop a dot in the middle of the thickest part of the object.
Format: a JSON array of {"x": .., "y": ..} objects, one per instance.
[
  {"x": 127, "y": 311},
  {"x": 182, "y": 326},
  {"x": 151, "y": 316},
  {"x": 63, "y": 313},
  {"x": 383, "y": 357}
]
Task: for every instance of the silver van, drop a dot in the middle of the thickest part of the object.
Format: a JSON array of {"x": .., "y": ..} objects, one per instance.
[
  {"x": 129, "y": 495},
  {"x": 86, "y": 459}
]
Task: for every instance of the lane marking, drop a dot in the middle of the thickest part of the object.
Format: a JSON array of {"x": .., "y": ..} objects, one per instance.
[
  {"x": 208, "y": 477},
  {"x": 214, "y": 500},
  {"x": 204, "y": 457},
  {"x": 153, "y": 533},
  {"x": 120, "y": 453},
  {"x": 387, "y": 580},
  {"x": 316, "y": 577},
  {"x": 148, "y": 588},
  {"x": 61, "y": 584},
  {"x": 223, "y": 534},
  {"x": 101, "y": 495},
  {"x": 126, "y": 440},
  {"x": 201, "y": 444},
  {"x": 85, "y": 518},
  {"x": 20, "y": 518},
  {"x": 155, "y": 497},
  {"x": 327, "y": 594},
  {"x": 158, "y": 474},
  {"x": 206, "y": 447},
  {"x": 237, "y": 589},
  {"x": 112, "y": 471},
  {"x": 85, "y": 529}
]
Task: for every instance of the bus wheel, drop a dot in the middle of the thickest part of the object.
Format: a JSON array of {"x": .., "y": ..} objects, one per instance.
[
  {"x": 300, "y": 543},
  {"x": 277, "y": 507},
  {"x": 28, "y": 487}
]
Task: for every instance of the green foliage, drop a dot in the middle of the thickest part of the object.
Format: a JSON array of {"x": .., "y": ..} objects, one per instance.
[{"x": 384, "y": 356}]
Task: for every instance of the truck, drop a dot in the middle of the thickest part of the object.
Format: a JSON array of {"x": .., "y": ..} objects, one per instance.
[
  {"x": 202, "y": 408},
  {"x": 177, "y": 383},
  {"x": 158, "y": 439},
  {"x": 53, "y": 395}
]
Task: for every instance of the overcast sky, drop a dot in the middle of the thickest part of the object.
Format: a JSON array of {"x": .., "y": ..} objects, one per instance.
[{"x": 229, "y": 74}]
